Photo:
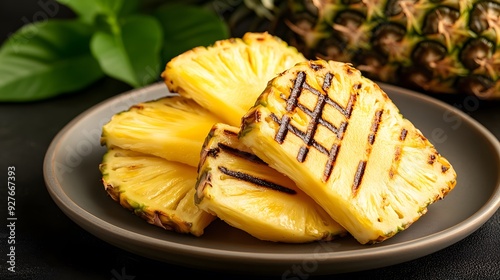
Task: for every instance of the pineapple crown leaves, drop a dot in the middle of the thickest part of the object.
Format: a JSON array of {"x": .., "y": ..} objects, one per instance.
[{"x": 106, "y": 38}]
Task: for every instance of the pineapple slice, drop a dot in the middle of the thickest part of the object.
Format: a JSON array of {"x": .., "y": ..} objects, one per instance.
[
  {"x": 228, "y": 76},
  {"x": 157, "y": 190},
  {"x": 172, "y": 127},
  {"x": 243, "y": 191},
  {"x": 345, "y": 144}
]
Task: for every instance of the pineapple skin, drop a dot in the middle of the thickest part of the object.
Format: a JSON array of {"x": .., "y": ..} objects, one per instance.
[
  {"x": 159, "y": 191},
  {"x": 239, "y": 188},
  {"x": 172, "y": 128},
  {"x": 228, "y": 76},
  {"x": 439, "y": 47},
  {"x": 373, "y": 172}
]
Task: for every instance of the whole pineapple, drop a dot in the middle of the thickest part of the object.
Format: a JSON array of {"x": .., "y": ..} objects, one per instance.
[{"x": 437, "y": 46}]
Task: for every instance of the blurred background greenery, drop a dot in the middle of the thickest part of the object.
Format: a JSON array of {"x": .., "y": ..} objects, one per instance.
[{"x": 442, "y": 48}]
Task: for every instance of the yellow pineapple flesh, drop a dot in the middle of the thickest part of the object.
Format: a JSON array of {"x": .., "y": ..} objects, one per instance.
[
  {"x": 242, "y": 190},
  {"x": 345, "y": 143},
  {"x": 172, "y": 127},
  {"x": 228, "y": 76},
  {"x": 157, "y": 190}
]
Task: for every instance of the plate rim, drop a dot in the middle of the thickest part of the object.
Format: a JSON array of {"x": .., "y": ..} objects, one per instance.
[{"x": 437, "y": 241}]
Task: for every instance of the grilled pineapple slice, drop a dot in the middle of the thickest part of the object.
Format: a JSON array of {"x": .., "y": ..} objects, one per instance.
[
  {"x": 172, "y": 127},
  {"x": 345, "y": 144},
  {"x": 228, "y": 76},
  {"x": 157, "y": 190},
  {"x": 243, "y": 191}
]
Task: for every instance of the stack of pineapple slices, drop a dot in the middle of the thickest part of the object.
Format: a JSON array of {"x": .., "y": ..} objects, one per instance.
[
  {"x": 285, "y": 149},
  {"x": 150, "y": 166}
]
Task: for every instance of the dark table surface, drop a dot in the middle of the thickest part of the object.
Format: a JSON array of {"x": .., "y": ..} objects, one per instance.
[{"x": 51, "y": 246}]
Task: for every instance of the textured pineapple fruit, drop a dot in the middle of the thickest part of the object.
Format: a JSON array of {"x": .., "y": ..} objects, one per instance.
[
  {"x": 172, "y": 127},
  {"x": 242, "y": 190},
  {"x": 345, "y": 144},
  {"x": 227, "y": 77},
  {"x": 435, "y": 46},
  {"x": 159, "y": 191}
]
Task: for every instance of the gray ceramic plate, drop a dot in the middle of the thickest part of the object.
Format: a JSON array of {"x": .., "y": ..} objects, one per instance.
[{"x": 73, "y": 180}]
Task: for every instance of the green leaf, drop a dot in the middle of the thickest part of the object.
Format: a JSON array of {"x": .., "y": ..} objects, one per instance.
[
  {"x": 133, "y": 54},
  {"x": 186, "y": 27},
  {"x": 87, "y": 10},
  {"x": 45, "y": 59}
]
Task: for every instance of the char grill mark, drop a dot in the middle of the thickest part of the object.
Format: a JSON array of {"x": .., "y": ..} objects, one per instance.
[
  {"x": 315, "y": 114},
  {"x": 255, "y": 180},
  {"x": 360, "y": 171},
  {"x": 358, "y": 177},
  {"x": 402, "y": 136},
  {"x": 241, "y": 154},
  {"x": 284, "y": 127},
  {"x": 230, "y": 133},
  {"x": 397, "y": 153},
  {"x": 340, "y": 131},
  {"x": 332, "y": 157},
  {"x": 347, "y": 110},
  {"x": 374, "y": 128},
  {"x": 316, "y": 67},
  {"x": 213, "y": 152},
  {"x": 327, "y": 83},
  {"x": 298, "y": 85},
  {"x": 301, "y": 155},
  {"x": 315, "y": 117},
  {"x": 432, "y": 159}
]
